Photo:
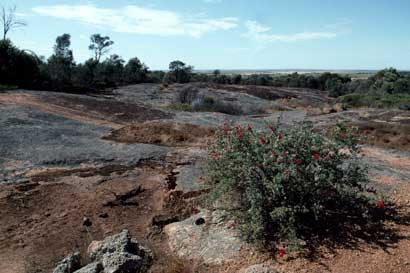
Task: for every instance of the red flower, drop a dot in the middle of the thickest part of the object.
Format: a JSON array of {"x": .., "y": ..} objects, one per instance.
[
  {"x": 280, "y": 136},
  {"x": 380, "y": 204},
  {"x": 297, "y": 161},
  {"x": 316, "y": 156},
  {"x": 239, "y": 134},
  {"x": 262, "y": 140},
  {"x": 282, "y": 252},
  {"x": 215, "y": 155},
  {"x": 226, "y": 130},
  {"x": 249, "y": 128}
]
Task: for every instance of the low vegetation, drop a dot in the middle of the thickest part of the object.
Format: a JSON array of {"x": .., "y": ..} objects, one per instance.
[
  {"x": 191, "y": 99},
  {"x": 387, "y": 88},
  {"x": 291, "y": 185},
  {"x": 378, "y": 101},
  {"x": 7, "y": 87}
]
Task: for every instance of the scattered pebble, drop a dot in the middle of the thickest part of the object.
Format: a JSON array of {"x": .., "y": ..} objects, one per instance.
[{"x": 87, "y": 222}]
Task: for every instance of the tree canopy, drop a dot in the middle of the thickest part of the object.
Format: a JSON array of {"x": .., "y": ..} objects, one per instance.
[
  {"x": 100, "y": 45},
  {"x": 179, "y": 72}
]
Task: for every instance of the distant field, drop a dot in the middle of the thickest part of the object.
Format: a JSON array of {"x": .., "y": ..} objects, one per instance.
[
  {"x": 290, "y": 71},
  {"x": 354, "y": 74}
]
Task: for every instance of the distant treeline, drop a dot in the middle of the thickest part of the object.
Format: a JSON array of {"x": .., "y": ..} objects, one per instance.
[
  {"x": 60, "y": 72},
  {"x": 387, "y": 81}
]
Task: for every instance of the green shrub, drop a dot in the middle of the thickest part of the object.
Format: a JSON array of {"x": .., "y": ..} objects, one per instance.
[
  {"x": 358, "y": 100},
  {"x": 8, "y": 87},
  {"x": 395, "y": 100},
  {"x": 382, "y": 101},
  {"x": 210, "y": 104},
  {"x": 187, "y": 95},
  {"x": 288, "y": 185},
  {"x": 17, "y": 67}
]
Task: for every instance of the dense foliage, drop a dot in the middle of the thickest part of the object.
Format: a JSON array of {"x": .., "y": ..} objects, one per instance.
[
  {"x": 178, "y": 72},
  {"x": 288, "y": 184},
  {"x": 18, "y": 67},
  {"x": 60, "y": 72}
]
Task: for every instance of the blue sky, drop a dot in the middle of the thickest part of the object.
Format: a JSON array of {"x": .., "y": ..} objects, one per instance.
[{"x": 228, "y": 34}]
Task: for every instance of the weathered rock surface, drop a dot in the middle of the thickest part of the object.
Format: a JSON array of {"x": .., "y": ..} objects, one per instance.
[
  {"x": 33, "y": 139},
  {"x": 96, "y": 267},
  {"x": 213, "y": 242},
  {"x": 188, "y": 177},
  {"x": 119, "y": 253},
  {"x": 115, "y": 254},
  {"x": 69, "y": 264}
]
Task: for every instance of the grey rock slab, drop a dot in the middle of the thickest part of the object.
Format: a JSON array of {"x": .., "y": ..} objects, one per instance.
[
  {"x": 189, "y": 176},
  {"x": 213, "y": 242},
  {"x": 36, "y": 139}
]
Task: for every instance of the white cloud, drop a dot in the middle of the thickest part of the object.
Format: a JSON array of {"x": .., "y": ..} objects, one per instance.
[
  {"x": 259, "y": 32},
  {"x": 139, "y": 20}
]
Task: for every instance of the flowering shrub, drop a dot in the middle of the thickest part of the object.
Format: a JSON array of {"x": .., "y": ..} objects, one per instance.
[{"x": 288, "y": 184}]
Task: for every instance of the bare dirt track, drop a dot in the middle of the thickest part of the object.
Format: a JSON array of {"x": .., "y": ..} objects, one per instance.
[{"x": 126, "y": 161}]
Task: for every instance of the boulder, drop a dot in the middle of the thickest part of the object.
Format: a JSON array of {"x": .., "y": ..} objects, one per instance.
[
  {"x": 119, "y": 253},
  {"x": 124, "y": 262},
  {"x": 206, "y": 237},
  {"x": 115, "y": 254},
  {"x": 115, "y": 243},
  {"x": 69, "y": 264},
  {"x": 96, "y": 267}
]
